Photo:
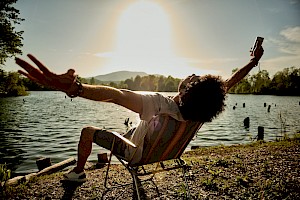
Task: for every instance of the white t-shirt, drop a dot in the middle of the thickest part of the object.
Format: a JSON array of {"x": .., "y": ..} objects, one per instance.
[{"x": 153, "y": 104}]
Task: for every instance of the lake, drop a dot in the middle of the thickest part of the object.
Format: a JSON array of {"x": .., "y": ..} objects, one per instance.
[{"x": 48, "y": 124}]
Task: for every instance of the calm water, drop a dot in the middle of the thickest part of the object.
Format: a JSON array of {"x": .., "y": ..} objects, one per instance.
[{"x": 46, "y": 124}]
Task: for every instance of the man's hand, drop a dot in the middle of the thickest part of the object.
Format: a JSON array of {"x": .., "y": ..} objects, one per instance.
[
  {"x": 43, "y": 76},
  {"x": 258, "y": 52}
]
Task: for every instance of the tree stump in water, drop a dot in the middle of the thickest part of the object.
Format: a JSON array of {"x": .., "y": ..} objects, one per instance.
[
  {"x": 260, "y": 135},
  {"x": 269, "y": 107},
  {"x": 246, "y": 122},
  {"x": 42, "y": 163},
  {"x": 102, "y": 160}
]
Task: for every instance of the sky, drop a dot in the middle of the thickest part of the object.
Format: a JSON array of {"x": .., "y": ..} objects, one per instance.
[{"x": 168, "y": 37}]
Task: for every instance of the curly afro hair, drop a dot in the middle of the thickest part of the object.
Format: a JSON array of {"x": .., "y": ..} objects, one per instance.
[{"x": 203, "y": 99}]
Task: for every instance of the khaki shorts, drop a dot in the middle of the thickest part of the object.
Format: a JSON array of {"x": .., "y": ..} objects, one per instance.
[{"x": 104, "y": 138}]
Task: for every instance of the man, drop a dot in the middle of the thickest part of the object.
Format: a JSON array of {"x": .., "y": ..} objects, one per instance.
[{"x": 200, "y": 98}]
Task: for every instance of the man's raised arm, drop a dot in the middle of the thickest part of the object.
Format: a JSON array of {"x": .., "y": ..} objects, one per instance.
[{"x": 241, "y": 73}]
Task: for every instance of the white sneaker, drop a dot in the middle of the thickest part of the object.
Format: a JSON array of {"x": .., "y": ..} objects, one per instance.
[{"x": 72, "y": 176}]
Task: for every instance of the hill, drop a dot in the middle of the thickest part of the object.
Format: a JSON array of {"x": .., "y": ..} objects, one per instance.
[{"x": 119, "y": 76}]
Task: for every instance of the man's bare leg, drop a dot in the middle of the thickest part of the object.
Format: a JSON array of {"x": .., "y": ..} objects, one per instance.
[{"x": 84, "y": 147}]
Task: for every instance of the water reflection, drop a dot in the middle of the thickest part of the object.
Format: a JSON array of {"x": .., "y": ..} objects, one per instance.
[{"x": 11, "y": 133}]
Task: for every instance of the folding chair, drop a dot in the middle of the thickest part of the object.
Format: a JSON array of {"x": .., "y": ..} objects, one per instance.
[{"x": 167, "y": 143}]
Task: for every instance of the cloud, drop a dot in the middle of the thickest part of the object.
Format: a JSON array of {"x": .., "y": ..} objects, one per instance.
[
  {"x": 294, "y": 2},
  {"x": 291, "y": 34},
  {"x": 289, "y": 42}
]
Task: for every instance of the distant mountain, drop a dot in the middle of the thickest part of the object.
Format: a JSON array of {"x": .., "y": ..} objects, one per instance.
[{"x": 118, "y": 76}]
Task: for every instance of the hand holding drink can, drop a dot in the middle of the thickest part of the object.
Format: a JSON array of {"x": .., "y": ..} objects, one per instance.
[{"x": 258, "y": 43}]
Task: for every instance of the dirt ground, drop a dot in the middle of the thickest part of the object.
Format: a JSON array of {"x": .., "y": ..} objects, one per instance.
[{"x": 257, "y": 171}]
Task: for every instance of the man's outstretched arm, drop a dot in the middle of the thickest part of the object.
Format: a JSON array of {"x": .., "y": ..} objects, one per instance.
[
  {"x": 126, "y": 98},
  {"x": 67, "y": 83},
  {"x": 241, "y": 73}
]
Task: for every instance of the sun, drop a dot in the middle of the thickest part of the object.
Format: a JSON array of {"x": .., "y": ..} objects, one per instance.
[
  {"x": 144, "y": 40},
  {"x": 143, "y": 27}
]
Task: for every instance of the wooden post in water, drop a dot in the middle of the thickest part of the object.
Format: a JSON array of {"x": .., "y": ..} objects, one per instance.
[
  {"x": 42, "y": 163},
  {"x": 246, "y": 122},
  {"x": 102, "y": 160},
  {"x": 269, "y": 107},
  {"x": 260, "y": 135},
  {"x": 265, "y": 104},
  {"x": 244, "y": 105}
]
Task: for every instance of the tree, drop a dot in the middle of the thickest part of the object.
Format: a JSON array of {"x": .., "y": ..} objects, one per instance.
[
  {"x": 92, "y": 81},
  {"x": 10, "y": 39},
  {"x": 129, "y": 83},
  {"x": 171, "y": 84},
  {"x": 243, "y": 87},
  {"x": 260, "y": 82},
  {"x": 286, "y": 82},
  {"x": 14, "y": 85},
  {"x": 113, "y": 84},
  {"x": 148, "y": 83},
  {"x": 137, "y": 82},
  {"x": 161, "y": 84},
  {"x": 2, "y": 82}
]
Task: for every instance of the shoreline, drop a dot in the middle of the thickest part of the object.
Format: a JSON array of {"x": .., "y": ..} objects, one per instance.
[{"x": 260, "y": 170}]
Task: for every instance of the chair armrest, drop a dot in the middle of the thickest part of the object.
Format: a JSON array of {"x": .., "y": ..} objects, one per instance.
[{"x": 124, "y": 139}]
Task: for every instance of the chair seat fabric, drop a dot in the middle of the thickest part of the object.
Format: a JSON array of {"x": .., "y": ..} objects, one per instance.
[{"x": 169, "y": 141}]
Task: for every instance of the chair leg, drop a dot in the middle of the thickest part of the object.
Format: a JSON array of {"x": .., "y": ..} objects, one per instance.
[
  {"x": 109, "y": 162},
  {"x": 136, "y": 184}
]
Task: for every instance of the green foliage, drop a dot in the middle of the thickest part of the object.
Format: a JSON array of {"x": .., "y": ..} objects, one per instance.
[
  {"x": 10, "y": 39},
  {"x": 4, "y": 173},
  {"x": 260, "y": 82},
  {"x": 151, "y": 83},
  {"x": 92, "y": 81},
  {"x": 285, "y": 82},
  {"x": 147, "y": 83},
  {"x": 11, "y": 84}
]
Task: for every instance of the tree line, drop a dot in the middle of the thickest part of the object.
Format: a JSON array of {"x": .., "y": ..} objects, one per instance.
[
  {"x": 285, "y": 82},
  {"x": 149, "y": 83}
]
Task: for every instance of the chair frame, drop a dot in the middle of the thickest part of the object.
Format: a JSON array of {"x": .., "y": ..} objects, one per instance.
[
  {"x": 134, "y": 169},
  {"x": 179, "y": 133},
  {"x": 135, "y": 174}
]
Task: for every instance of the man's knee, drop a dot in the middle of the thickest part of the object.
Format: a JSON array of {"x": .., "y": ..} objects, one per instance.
[{"x": 87, "y": 133}]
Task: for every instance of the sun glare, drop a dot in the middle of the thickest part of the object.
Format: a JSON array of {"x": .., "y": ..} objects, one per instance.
[
  {"x": 144, "y": 40},
  {"x": 143, "y": 28}
]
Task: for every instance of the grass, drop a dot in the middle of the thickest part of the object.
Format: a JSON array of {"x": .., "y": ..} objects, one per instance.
[{"x": 265, "y": 173}]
